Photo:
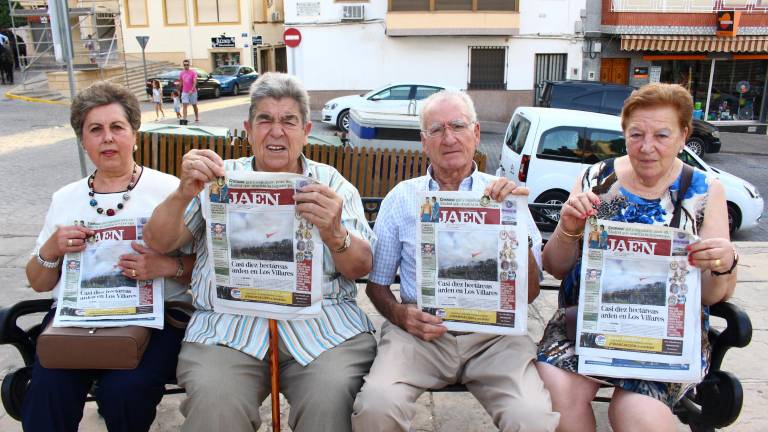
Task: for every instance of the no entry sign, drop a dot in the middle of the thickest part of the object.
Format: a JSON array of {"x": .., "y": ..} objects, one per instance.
[{"x": 292, "y": 37}]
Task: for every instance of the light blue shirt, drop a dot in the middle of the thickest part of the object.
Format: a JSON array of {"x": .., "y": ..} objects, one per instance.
[
  {"x": 341, "y": 318},
  {"x": 396, "y": 226}
]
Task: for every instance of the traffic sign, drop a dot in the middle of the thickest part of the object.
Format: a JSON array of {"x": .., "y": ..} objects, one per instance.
[
  {"x": 142, "y": 41},
  {"x": 292, "y": 37}
]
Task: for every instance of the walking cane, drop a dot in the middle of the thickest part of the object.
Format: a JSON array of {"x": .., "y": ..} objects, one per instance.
[{"x": 274, "y": 373}]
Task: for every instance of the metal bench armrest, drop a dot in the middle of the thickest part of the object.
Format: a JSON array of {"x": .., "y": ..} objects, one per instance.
[
  {"x": 12, "y": 334},
  {"x": 738, "y": 331}
]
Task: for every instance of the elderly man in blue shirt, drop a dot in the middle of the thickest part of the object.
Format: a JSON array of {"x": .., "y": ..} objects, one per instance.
[{"x": 416, "y": 352}]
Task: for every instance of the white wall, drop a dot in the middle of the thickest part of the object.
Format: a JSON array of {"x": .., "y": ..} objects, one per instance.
[
  {"x": 330, "y": 11},
  {"x": 359, "y": 56}
]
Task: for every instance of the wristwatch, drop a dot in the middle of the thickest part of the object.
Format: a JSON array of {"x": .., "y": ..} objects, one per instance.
[
  {"x": 45, "y": 263},
  {"x": 345, "y": 245},
  {"x": 733, "y": 266},
  {"x": 179, "y": 267}
]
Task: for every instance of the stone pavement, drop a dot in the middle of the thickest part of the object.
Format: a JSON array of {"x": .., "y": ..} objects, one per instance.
[{"x": 37, "y": 156}]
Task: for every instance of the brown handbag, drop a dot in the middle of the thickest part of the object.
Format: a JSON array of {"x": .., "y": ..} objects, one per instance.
[{"x": 92, "y": 348}]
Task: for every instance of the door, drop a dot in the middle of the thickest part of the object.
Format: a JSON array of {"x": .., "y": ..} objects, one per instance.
[
  {"x": 391, "y": 100},
  {"x": 422, "y": 92},
  {"x": 549, "y": 67},
  {"x": 614, "y": 70}
]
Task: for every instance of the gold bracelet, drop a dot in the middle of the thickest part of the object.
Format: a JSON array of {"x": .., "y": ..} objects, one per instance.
[{"x": 572, "y": 237}]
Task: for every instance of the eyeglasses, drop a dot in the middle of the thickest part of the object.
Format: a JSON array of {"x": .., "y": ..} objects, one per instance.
[
  {"x": 185, "y": 64},
  {"x": 438, "y": 129}
]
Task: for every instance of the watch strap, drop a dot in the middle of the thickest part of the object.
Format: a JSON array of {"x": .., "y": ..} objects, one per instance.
[
  {"x": 345, "y": 245},
  {"x": 179, "y": 267},
  {"x": 45, "y": 263}
]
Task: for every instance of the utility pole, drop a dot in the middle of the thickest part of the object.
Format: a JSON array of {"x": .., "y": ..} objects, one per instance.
[{"x": 68, "y": 53}]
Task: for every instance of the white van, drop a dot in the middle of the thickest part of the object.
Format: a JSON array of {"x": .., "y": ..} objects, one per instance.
[{"x": 546, "y": 149}]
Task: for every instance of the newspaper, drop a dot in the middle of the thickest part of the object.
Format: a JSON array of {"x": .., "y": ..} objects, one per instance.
[
  {"x": 268, "y": 261},
  {"x": 95, "y": 293},
  {"x": 639, "y": 304},
  {"x": 472, "y": 262}
]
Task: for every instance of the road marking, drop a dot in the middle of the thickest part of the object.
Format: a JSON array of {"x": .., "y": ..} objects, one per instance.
[{"x": 10, "y": 95}]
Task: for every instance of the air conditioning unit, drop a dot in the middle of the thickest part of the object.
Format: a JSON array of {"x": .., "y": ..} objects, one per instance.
[{"x": 353, "y": 12}]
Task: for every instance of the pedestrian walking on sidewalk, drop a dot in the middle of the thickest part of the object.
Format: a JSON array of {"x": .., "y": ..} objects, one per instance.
[
  {"x": 188, "y": 78},
  {"x": 176, "y": 103}
]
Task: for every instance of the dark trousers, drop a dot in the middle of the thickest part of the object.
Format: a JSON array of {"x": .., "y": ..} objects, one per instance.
[{"x": 127, "y": 398}]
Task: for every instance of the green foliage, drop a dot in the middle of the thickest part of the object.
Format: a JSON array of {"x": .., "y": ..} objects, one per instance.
[{"x": 5, "y": 15}]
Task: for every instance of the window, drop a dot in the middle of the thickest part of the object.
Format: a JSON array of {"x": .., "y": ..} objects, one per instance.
[
  {"x": 409, "y": 5},
  {"x": 560, "y": 143},
  {"x": 454, "y": 5},
  {"x": 175, "y": 12},
  {"x": 517, "y": 133},
  {"x": 245, "y": 70},
  {"x": 604, "y": 144},
  {"x": 423, "y": 92},
  {"x": 487, "y": 68},
  {"x": 497, "y": 5},
  {"x": 687, "y": 158},
  {"x": 217, "y": 11},
  {"x": 393, "y": 93},
  {"x": 136, "y": 11}
]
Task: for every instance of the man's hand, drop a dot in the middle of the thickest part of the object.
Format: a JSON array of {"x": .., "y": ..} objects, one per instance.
[
  {"x": 502, "y": 187},
  {"x": 321, "y": 206},
  {"x": 198, "y": 167},
  {"x": 420, "y": 324}
]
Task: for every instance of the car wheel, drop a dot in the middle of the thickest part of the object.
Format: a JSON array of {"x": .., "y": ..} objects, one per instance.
[
  {"x": 734, "y": 217},
  {"x": 342, "y": 121},
  {"x": 236, "y": 90},
  {"x": 216, "y": 92},
  {"x": 554, "y": 197},
  {"x": 696, "y": 145}
]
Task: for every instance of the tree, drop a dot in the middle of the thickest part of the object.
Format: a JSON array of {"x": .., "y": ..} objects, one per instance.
[{"x": 5, "y": 15}]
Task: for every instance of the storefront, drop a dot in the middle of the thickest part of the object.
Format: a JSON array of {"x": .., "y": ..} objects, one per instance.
[{"x": 727, "y": 77}]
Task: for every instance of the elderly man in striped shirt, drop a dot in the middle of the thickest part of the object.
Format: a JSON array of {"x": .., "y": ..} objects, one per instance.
[
  {"x": 222, "y": 362},
  {"x": 416, "y": 352}
]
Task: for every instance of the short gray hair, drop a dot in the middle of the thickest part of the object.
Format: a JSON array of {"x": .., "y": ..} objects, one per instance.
[
  {"x": 104, "y": 93},
  {"x": 277, "y": 85},
  {"x": 447, "y": 94}
]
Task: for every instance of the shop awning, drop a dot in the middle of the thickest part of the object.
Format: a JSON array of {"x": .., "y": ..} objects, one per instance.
[{"x": 699, "y": 44}]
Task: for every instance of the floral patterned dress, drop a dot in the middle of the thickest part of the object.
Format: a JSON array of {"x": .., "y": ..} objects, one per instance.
[{"x": 619, "y": 204}]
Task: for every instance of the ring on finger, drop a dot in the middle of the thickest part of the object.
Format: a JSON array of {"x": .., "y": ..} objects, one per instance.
[
  {"x": 133, "y": 272},
  {"x": 69, "y": 242},
  {"x": 717, "y": 262}
]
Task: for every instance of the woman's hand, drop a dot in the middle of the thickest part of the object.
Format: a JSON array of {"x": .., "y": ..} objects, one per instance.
[
  {"x": 576, "y": 209},
  {"x": 321, "y": 206},
  {"x": 714, "y": 254},
  {"x": 499, "y": 189},
  {"x": 66, "y": 239},
  {"x": 146, "y": 263},
  {"x": 199, "y": 167}
]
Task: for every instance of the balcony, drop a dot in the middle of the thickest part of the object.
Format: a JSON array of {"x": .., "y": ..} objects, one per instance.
[
  {"x": 688, "y": 5},
  {"x": 453, "y": 18}
]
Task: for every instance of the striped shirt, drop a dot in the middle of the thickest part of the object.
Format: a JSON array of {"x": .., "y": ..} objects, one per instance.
[
  {"x": 396, "y": 226},
  {"x": 341, "y": 318}
]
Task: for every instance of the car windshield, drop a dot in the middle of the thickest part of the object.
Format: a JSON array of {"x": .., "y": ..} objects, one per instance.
[
  {"x": 225, "y": 70},
  {"x": 173, "y": 74}
]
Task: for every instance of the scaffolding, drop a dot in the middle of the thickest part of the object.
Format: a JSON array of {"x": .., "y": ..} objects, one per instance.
[{"x": 96, "y": 35}]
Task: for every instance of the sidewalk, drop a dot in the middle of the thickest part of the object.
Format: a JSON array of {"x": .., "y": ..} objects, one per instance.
[{"x": 460, "y": 412}]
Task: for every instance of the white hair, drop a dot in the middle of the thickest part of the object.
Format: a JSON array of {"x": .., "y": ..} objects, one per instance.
[{"x": 447, "y": 94}]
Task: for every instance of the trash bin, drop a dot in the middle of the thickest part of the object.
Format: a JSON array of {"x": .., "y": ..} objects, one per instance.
[{"x": 162, "y": 146}]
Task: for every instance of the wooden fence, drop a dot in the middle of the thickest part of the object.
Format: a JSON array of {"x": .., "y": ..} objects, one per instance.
[{"x": 373, "y": 171}]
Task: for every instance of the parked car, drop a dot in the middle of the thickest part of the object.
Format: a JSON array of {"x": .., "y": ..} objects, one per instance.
[
  {"x": 235, "y": 78},
  {"x": 207, "y": 85},
  {"x": 547, "y": 149},
  {"x": 399, "y": 98},
  {"x": 609, "y": 98}
]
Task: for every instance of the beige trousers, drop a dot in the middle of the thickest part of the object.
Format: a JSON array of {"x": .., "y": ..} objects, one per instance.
[
  {"x": 498, "y": 370},
  {"x": 225, "y": 387}
]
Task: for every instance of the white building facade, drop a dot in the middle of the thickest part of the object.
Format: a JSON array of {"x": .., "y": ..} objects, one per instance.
[{"x": 498, "y": 50}]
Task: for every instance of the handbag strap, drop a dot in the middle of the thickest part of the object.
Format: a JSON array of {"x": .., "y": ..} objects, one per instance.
[
  {"x": 685, "y": 181},
  {"x": 183, "y": 307}
]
